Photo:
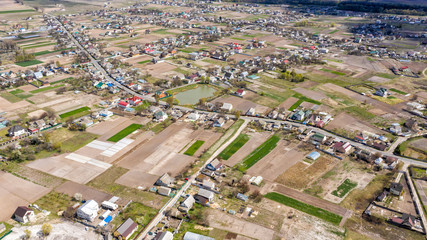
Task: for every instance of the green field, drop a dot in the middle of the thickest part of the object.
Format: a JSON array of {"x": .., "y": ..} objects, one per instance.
[
  {"x": 40, "y": 45},
  {"x": 48, "y": 51},
  {"x": 398, "y": 91},
  {"x": 238, "y": 39},
  {"x": 259, "y": 153},
  {"x": 303, "y": 207},
  {"x": 193, "y": 148},
  {"x": 302, "y": 99},
  {"x": 17, "y": 11},
  {"x": 234, "y": 146},
  {"x": 386, "y": 75},
  {"x": 344, "y": 188},
  {"x": 333, "y": 72},
  {"x": 10, "y": 97},
  {"x": 360, "y": 112},
  {"x": 28, "y": 63},
  {"x": 123, "y": 133},
  {"x": 46, "y": 88},
  {"x": 332, "y": 32},
  {"x": 75, "y": 112},
  {"x": 146, "y": 61}
]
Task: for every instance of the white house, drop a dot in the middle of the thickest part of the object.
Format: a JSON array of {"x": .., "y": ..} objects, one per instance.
[
  {"x": 23, "y": 214},
  {"x": 206, "y": 194},
  {"x": 193, "y": 116},
  {"x": 16, "y": 131},
  {"x": 89, "y": 210},
  {"x": 160, "y": 116},
  {"x": 227, "y": 107}
]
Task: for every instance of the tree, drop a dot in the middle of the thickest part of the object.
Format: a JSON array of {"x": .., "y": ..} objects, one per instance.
[
  {"x": 27, "y": 234},
  {"x": 169, "y": 101},
  {"x": 46, "y": 229},
  {"x": 157, "y": 98},
  {"x": 237, "y": 114},
  {"x": 78, "y": 197},
  {"x": 202, "y": 101}
]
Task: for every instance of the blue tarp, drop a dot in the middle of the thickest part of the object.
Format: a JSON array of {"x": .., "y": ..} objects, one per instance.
[{"x": 108, "y": 219}]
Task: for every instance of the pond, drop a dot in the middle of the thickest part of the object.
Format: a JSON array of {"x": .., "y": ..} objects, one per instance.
[{"x": 192, "y": 96}]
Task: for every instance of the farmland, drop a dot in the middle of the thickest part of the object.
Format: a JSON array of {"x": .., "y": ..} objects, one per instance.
[
  {"x": 344, "y": 188},
  {"x": 75, "y": 113},
  {"x": 125, "y": 132},
  {"x": 28, "y": 63},
  {"x": 234, "y": 146},
  {"x": 194, "y": 147},
  {"x": 317, "y": 212},
  {"x": 259, "y": 153}
]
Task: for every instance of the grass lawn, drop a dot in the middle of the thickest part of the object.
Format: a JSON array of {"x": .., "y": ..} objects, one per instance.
[
  {"x": 193, "y": 148},
  {"x": 344, "y": 188},
  {"x": 62, "y": 80},
  {"x": 10, "y": 97},
  {"x": 8, "y": 228},
  {"x": 48, "y": 51},
  {"x": 123, "y": 133},
  {"x": 47, "y": 88},
  {"x": 397, "y": 91},
  {"x": 224, "y": 138},
  {"x": 239, "y": 39},
  {"x": 332, "y": 32},
  {"x": 28, "y": 63},
  {"x": 360, "y": 112},
  {"x": 77, "y": 111},
  {"x": 295, "y": 105},
  {"x": 386, "y": 75},
  {"x": 138, "y": 212},
  {"x": 145, "y": 61},
  {"x": 17, "y": 11},
  {"x": 302, "y": 99},
  {"x": 259, "y": 153},
  {"x": 106, "y": 183},
  {"x": 303, "y": 207},
  {"x": 161, "y": 126},
  {"x": 234, "y": 146},
  {"x": 332, "y": 71},
  {"x": 55, "y": 202},
  {"x": 389, "y": 100}
]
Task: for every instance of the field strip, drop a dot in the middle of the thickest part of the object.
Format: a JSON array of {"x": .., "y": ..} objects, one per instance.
[
  {"x": 100, "y": 145},
  {"x": 117, "y": 147},
  {"x": 83, "y": 159}
]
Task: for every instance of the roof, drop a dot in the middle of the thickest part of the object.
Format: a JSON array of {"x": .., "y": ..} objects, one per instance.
[
  {"x": 314, "y": 155},
  {"x": 195, "y": 236},
  {"x": 205, "y": 193},
  {"x": 90, "y": 207},
  {"x": 21, "y": 211},
  {"x": 15, "y": 128},
  {"x": 127, "y": 228},
  {"x": 163, "y": 236},
  {"x": 396, "y": 186}
]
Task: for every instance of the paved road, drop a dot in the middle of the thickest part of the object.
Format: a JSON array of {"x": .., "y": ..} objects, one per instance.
[{"x": 173, "y": 200}]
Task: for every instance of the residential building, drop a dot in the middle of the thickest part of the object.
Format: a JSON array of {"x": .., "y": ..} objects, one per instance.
[
  {"x": 227, "y": 107},
  {"x": 165, "y": 180},
  {"x": 219, "y": 122},
  {"x": 214, "y": 165},
  {"x": 342, "y": 147},
  {"x": 160, "y": 116},
  {"x": 206, "y": 194},
  {"x": 163, "y": 236},
  {"x": 16, "y": 131},
  {"x": 240, "y": 92},
  {"x": 396, "y": 188},
  {"x": 382, "y": 92},
  {"x": 24, "y": 214},
  {"x": 188, "y": 202},
  {"x": 89, "y": 210},
  {"x": 165, "y": 191},
  {"x": 126, "y": 229},
  {"x": 318, "y": 137}
]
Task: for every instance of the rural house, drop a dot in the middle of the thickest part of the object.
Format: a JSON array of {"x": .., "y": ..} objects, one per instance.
[
  {"x": 16, "y": 131},
  {"x": 396, "y": 188},
  {"x": 126, "y": 229},
  {"x": 165, "y": 180},
  {"x": 89, "y": 210},
  {"x": 23, "y": 214}
]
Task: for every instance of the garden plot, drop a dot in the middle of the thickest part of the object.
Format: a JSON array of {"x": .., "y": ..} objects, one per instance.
[
  {"x": 73, "y": 167},
  {"x": 311, "y": 94},
  {"x": 157, "y": 156},
  {"x": 15, "y": 191},
  {"x": 301, "y": 175},
  {"x": 242, "y": 104},
  {"x": 277, "y": 161},
  {"x": 71, "y": 188},
  {"x": 158, "y": 70},
  {"x": 342, "y": 120},
  {"x": 256, "y": 139}
]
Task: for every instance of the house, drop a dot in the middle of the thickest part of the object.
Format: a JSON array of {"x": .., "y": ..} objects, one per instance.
[
  {"x": 342, "y": 147},
  {"x": 135, "y": 100},
  {"x": 195, "y": 236},
  {"x": 193, "y": 116},
  {"x": 160, "y": 116},
  {"x": 382, "y": 196},
  {"x": 16, "y": 131},
  {"x": 242, "y": 197},
  {"x": 395, "y": 128},
  {"x": 23, "y": 214},
  {"x": 123, "y": 104},
  {"x": 188, "y": 202},
  {"x": 227, "y": 107},
  {"x": 412, "y": 124},
  {"x": 396, "y": 188},
  {"x": 379, "y": 146},
  {"x": 214, "y": 165},
  {"x": 40, "y": 124},
  {"x": 298, "y": 115},
  {"x": 219, "y": 122},
  {"x": 250, "y": 112},
  {"x": 240, "y": 92},
  {"x": 208, "y": 184},
  {"x": 89, "y": 210},
  {"x": 164, "y": 191},
  {"x": 313, "y": 155},
  {"x": 201, "y": 200},
  {"x": 318, "y": 137},
  {"x": 165, "y": 180},
  {"x": 206, "y": 194},
  {"x": 126, "y": 229},
  {"x": 382, "y": 92},
  {"x": 163, "y": 236},
  {"x": 406, "y": 221}
]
